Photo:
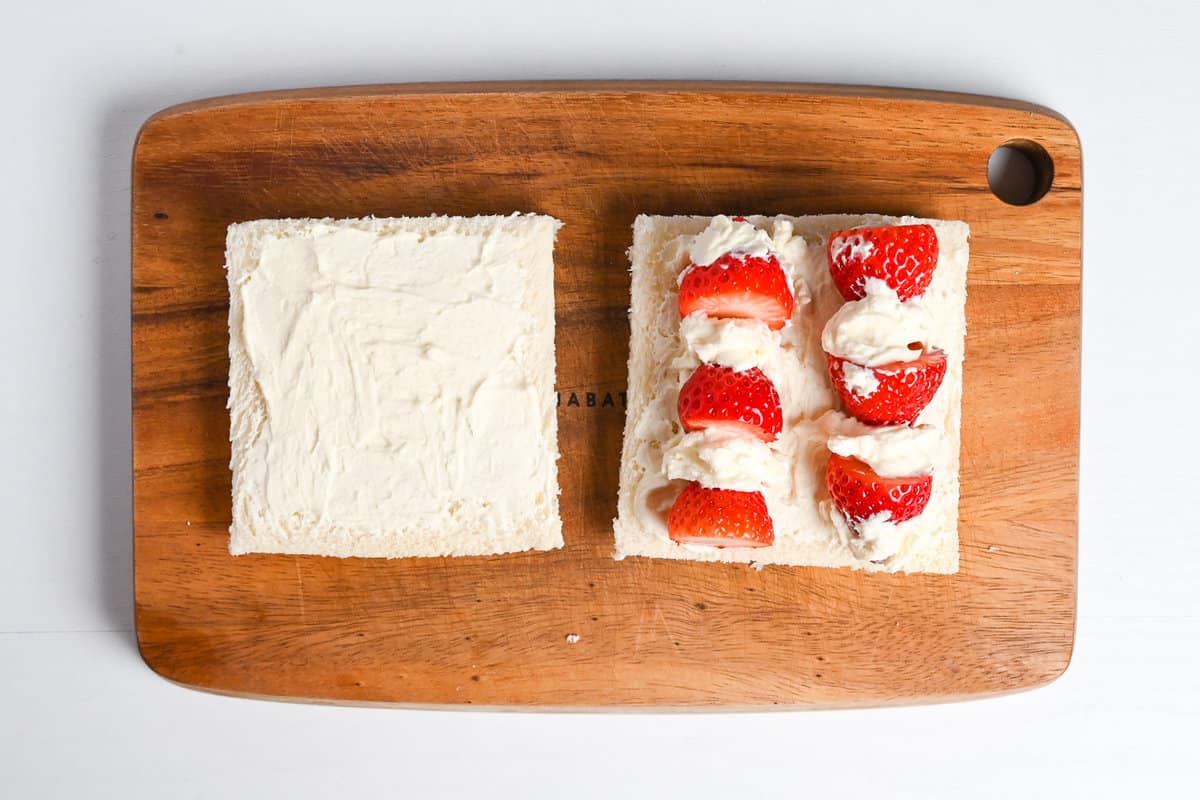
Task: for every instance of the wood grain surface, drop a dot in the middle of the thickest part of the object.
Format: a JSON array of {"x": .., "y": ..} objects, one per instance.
[{"x": 493, "y": 631}]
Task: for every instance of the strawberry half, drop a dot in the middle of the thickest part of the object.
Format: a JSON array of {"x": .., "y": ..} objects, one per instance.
[
  {"x": 716, "y": 396},
  {"x": 859, "y": 492},
  {"x": 903, "y": 388},
  {"x": 742, "y": 288},
  {"x": 720, "y": 518},
  {"x": 903, "y": 256}
]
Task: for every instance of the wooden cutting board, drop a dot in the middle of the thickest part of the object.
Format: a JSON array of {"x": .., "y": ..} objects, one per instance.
[{"x": 494, "y": 631}]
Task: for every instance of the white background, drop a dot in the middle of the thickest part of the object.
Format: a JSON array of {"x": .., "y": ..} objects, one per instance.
[{"x": 81, "y": 716}]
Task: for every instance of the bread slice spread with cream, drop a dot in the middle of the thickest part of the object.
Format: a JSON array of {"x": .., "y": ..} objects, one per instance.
[
  {"x": 809, "y": 417},
  {"x": 391, "y": 386}
]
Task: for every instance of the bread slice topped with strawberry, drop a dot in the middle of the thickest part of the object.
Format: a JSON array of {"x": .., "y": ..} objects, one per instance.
[
  {"x": 794, "y": 391},
  {"x": 734, "y": 286},
  {"x": 886, "y": 366},
  {"x": 739, "y": 286}
]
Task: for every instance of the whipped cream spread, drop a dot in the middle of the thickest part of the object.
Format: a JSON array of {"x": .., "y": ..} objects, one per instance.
[
  {"x": 876, "y": 538},
  {"x": 893, "y": 451},
  {"x": 808, "y": 529},
  {"x": 852, "y": 245},
  {"x": 391, "y": 382},
  {"x": 720, "y": 459},
  {"x": 739, "y": 344},
  {"x": 728, "y": 236},
  {"x": 879, "y": 328},
  {"x": 741, "y": 239},
  {"x": 862, "y": 381}
]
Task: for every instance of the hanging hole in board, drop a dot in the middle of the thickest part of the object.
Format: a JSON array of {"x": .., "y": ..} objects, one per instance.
[{"x": 1020, "y": 172}]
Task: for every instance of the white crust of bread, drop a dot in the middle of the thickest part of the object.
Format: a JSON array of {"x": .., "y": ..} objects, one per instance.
[
  {"x": 459, "y": 525},
  {"x": 808, "y": 530}
]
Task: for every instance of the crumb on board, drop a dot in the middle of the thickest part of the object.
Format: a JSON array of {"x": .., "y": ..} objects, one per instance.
[
  {"x": 757, "y": 565},
  {"x": 572, "y": 638},
  {"x": 993, "y": 549}
]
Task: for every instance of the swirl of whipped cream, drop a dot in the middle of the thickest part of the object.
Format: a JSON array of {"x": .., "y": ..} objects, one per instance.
[
  {"x": 878, "y": 329},
  {"x": 893, "y": 451},
  {"x": 722, "y": 460}
]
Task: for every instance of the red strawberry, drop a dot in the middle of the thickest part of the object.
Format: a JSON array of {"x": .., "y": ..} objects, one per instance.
[
  {"x": 904, "y": 388},
  {"x": 716, "y": 396},
  {"x": 903, "y": 256},
  {"x": 858, "y": 492},
  {"x": 745, "y": 288},
  {"x": 720, "y": 518}
]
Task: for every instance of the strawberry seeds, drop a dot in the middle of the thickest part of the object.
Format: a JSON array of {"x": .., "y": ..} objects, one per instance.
[
  {"x": 746, "y": 402},
  {"x": 904, "y": 258}
]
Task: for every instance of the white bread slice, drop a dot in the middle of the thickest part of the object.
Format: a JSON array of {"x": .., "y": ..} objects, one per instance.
[
  {"x": 391, "y": 386},
  {"x": 808, "y": 531}
]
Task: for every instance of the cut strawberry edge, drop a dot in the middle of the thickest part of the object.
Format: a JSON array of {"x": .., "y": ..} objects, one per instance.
[
  {"x": 739, "y": 287},
  {"x": 862, "y": 474},
  {"x": 723, "y": 543},
  {"x": 770, "y": 312},
  {"x": 929, "y": 356},
  {"x": 693, "y": 424},
  {"x": 854, "y": 467}
]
